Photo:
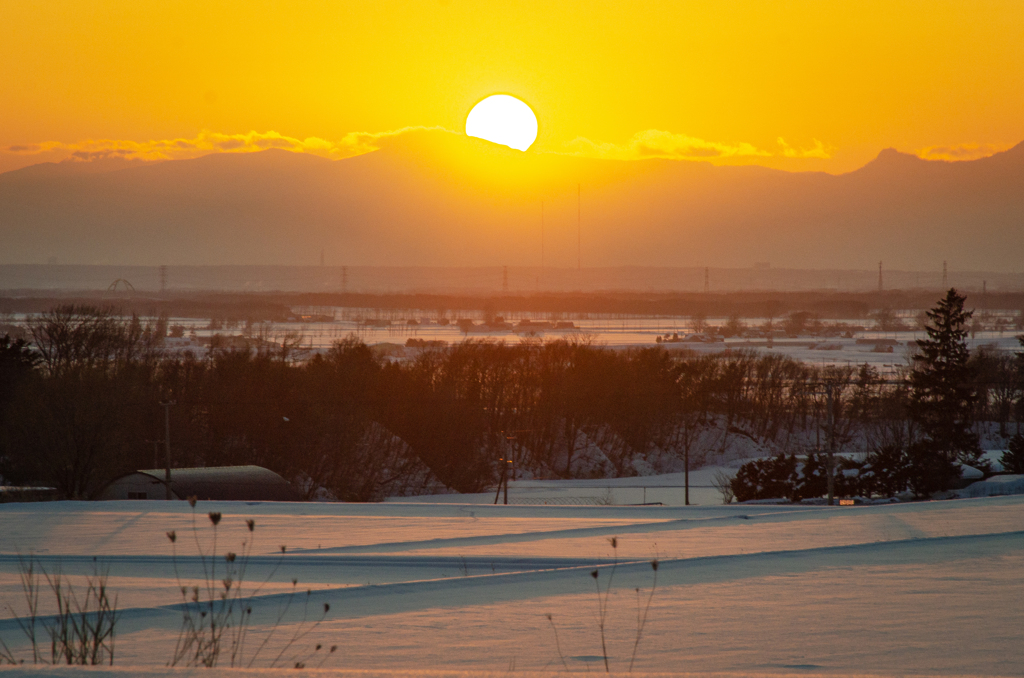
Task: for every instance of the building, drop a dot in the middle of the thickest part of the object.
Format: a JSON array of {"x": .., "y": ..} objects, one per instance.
[{"x": 223, "y": 483}]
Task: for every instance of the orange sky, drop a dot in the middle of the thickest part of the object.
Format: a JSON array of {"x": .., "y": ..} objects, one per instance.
[{"x": 797, "y": 85}]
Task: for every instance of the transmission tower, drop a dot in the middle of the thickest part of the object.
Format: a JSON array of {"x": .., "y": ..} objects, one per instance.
[
  {"x": 344, "y": 279},
  {"x": 707, "y": 280},
  {"x": 879, "y": 276},
  {"x": 943, "y": 275},
  {"x": 163, "y": 279}
]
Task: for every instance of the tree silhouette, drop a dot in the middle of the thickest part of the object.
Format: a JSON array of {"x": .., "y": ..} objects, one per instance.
[{"x": 943, "y": 393}]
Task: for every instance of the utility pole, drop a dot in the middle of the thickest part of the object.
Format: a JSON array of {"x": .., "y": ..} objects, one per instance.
[
  {"x": 943, "y": 276},
  {"x": 163, "y": 279},
  {"x": 831, "y": 474},
  {"x": 167, "y": 445},
  {"x": 879, "y": 276},
  {"x": 156, "y": 452},
  {"x": 506, "y": 468},
  {"x": 686, "y": 476},
  {"x": 344, "y": 279},
  {"x": 507, "y": 461},
  {"x": 707, "y": 280}
]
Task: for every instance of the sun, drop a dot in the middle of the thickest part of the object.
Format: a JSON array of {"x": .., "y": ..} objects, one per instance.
[{"x": 503, "y": 119}]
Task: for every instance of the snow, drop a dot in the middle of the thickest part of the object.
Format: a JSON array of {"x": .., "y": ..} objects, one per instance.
[
  {"x": 994, "y": 486},
  {"x": 666, "y": 489},
  {"x": 929, "y": 588},
  {"x": 969, "y": 472}
]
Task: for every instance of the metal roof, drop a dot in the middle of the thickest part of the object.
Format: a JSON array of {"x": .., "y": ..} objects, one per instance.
[{"x": 230, "y": 483}]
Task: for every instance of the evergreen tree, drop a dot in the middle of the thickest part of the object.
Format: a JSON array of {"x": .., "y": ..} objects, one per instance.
[
  {"x": 942, "y": 393},
  {"x": 18, "y": 361},
  {"x": 929, "y": 472},
  {"x": 813, "y": 477},
  {"x": 1013, "y": 458},
  {"x": 888, "y": 470}
]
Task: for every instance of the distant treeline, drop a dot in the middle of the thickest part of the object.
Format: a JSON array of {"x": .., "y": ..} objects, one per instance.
[
  {"x": 276, "y": 306},
  {"x": 81, "y": 404}
]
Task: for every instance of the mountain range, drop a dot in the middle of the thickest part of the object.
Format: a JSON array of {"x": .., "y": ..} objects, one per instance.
[{"x": 439, "y": 199}]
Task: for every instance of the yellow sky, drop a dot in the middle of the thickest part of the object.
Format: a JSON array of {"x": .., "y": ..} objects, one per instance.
[{"x": 797, "y": 85}]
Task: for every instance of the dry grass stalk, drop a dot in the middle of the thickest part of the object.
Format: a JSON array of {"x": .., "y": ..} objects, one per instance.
[
  {"x": 216, "y": 615},
  {"x": 82, "y": 631}
]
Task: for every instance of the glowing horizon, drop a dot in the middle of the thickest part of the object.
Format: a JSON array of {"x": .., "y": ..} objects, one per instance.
[{"x": 800, "y": 86}]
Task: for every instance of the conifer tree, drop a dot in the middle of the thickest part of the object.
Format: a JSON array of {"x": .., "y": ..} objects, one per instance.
[
  {"x": 1013, "y": 458},
  {"x": 942, "y": 391}
]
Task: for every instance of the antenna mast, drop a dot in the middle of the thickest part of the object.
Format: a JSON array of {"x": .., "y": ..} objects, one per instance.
[
  {"x": 542, "y": 238},
  {"x": 579, "y": 229}
]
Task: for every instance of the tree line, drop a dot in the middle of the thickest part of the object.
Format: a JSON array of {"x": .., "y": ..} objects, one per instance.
[{"x": 81, "y": 403}]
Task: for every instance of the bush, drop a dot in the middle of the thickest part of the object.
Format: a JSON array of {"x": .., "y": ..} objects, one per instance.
[
  {"x": 1013, "y": 459},
  {"x": 813, "y": 477},
  {"x": 887, "y": 471},
  {"x": 766, "y": 479},
  {"x": 778, "y": 477},
  {"x": 851, "y": 478},
  {"x": 929, "y": 471}
]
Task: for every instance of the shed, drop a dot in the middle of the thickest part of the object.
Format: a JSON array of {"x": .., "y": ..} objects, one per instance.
[{"x": 225, "y": 483}]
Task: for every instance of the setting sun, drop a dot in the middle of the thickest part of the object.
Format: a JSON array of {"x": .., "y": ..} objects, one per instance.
[{"x": 503, "y": 119}]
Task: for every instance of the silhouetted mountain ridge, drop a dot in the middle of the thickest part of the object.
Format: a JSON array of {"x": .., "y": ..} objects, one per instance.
[{"x": 437, "y": 198}]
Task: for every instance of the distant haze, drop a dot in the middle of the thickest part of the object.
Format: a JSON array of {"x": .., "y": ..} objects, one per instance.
[
  {"x": 41, "y": 279},
  {"x": 439, "y": 199}
]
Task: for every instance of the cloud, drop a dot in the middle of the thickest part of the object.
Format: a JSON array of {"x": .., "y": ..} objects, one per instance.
[
  {"x": 650, "y": 143},
  {"x": 820, "y": 150},
  {"x": 960, "y": 151},
  {"x": 354, "y": 143},
  {"x": 654, "y": 143}
]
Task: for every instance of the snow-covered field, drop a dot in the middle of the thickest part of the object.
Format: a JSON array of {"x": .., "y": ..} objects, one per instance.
[
  {"x": 932, "y": 588},
  {"x": 615, "y": 333},
  {"x": 667, "y": 489}
]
